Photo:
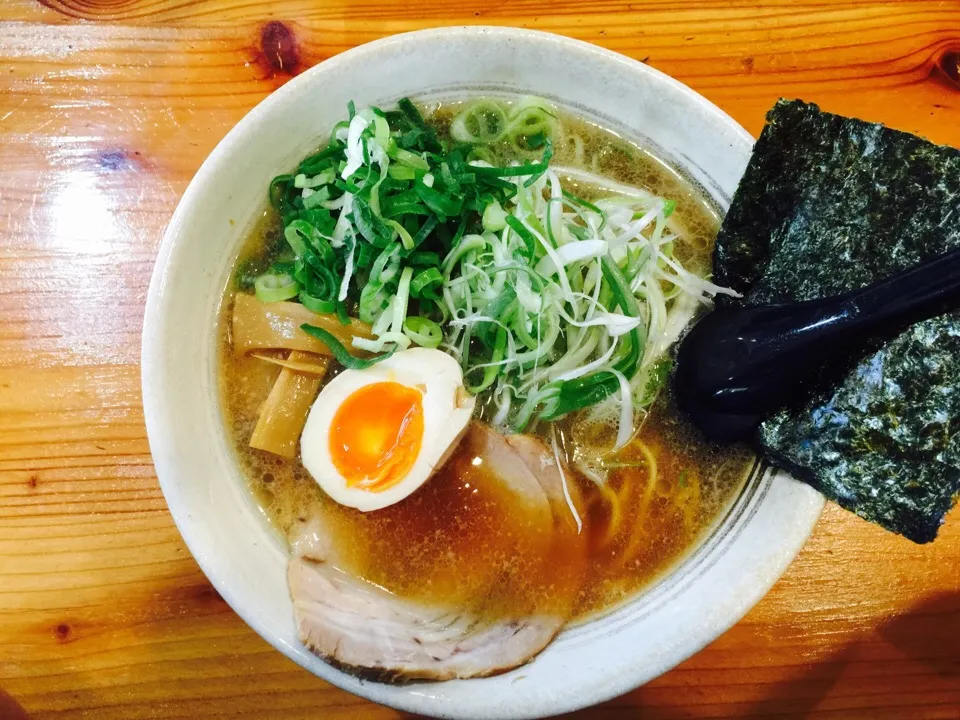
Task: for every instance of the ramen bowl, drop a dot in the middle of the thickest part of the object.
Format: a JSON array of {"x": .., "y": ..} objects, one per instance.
[{"x": 703, "y": 595}]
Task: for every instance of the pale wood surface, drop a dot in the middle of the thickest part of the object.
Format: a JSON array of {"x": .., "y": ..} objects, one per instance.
[{"x": 107, "y": 107}]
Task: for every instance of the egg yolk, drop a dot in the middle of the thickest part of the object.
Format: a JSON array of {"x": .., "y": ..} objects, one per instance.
[{"x": 376, "y": 434}]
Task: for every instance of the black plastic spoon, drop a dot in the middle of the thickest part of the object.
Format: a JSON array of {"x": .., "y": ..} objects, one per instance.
[{"x": 737, "y": 366}]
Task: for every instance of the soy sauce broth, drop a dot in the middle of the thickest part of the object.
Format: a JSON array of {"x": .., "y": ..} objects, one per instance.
[{"x": 458, "y": 535}]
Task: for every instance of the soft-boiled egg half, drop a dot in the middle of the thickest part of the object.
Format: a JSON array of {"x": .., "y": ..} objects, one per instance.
[{"x": 374, "y": 436}]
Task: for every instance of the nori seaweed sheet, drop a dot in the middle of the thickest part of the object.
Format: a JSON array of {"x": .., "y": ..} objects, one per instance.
[{"x": 827, "y": 205}]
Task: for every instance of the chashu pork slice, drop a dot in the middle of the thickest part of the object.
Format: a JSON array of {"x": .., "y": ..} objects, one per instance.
[{"x": 364, "y": 628}]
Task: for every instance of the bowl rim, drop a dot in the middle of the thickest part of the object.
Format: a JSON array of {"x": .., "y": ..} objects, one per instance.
[{"x": 152, "y": 362}]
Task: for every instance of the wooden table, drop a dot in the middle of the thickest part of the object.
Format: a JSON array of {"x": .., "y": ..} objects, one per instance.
[{"x": 107, "y": 107}]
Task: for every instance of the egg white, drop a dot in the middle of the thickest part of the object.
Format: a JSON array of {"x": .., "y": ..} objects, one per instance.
[{"x": 447, "y": 409}]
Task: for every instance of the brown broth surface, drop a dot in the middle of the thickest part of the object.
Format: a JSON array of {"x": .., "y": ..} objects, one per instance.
[{"x": 463, "y": 536}]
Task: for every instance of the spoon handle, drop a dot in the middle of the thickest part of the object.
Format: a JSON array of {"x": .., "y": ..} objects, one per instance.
[{"x": 925, "y": 291}]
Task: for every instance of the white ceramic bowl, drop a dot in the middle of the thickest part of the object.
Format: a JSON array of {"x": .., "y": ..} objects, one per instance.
[{"x": 705, "y": 595}]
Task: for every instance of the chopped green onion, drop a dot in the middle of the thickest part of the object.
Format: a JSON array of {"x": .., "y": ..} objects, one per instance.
[
  {"x": 536, "y": 169},
  {"x": 340, "y": 353},
  {"x": 370, "y": 225},
  {"x": 373, "y": 301},
  {"x": 483, "y": 121},
  {"x": 494, "y": 367},
  {"x": 406, "y": 239},
  {"x": 342, "y": 314},
  {"x": 494, "y": 217},
  {"x": 386, "y": 265},
  {"x": 424, "y": 231},
  {"x": 467, "y": 244},
  {"x": 574, "y": 395},
  {"x": 589, "y": 206},
  {"x": 424, "y": 279},
  {"x": 365, "y": 255},
  {"x": 401, "y": 299},
  {"x": 423, "y": 258},
  {"x": 429, "y": 134},
  {"x": 440, "y": 203},
  {"x": 271, "y": 287},
  {"x": 399, "y": 172},
  {"x": 301, "y": 235},
  {"x": 410, "y": 160},
  {"x": 551, "y": 302},
  {"x": 323, "y": 307},
  {"x": 627, "y": 302},
  {"x": 423, "y": 331},
  {"x": 277, "y": 193},
  {"x": 529, "y": 240}
]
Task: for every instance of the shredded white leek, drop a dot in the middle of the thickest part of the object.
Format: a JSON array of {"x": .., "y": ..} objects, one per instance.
[
  {"x": 563, "y": 480},
  {"x": 347, "y": 273},
  {"x": 354, "y": 149},
  {"x": 625, "y": 430},
  {"x": 574, "y": 252},
  {"x": 555, "y": 307}
]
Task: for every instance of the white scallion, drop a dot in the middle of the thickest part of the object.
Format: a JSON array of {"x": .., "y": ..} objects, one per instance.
[
  {"x": 382, "y": 343},
  {"x": 625, "y": 430},
  {"x": 401, "y": 300},
  {"x": 347, "y": 273},
  {"x": 563, "y": 480},
  {"x": 354, "y": 149},
  {"x": 571, "y": 253}
]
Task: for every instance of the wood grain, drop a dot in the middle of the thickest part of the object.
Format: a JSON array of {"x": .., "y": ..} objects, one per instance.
[{"x": 108, "y": 107}]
